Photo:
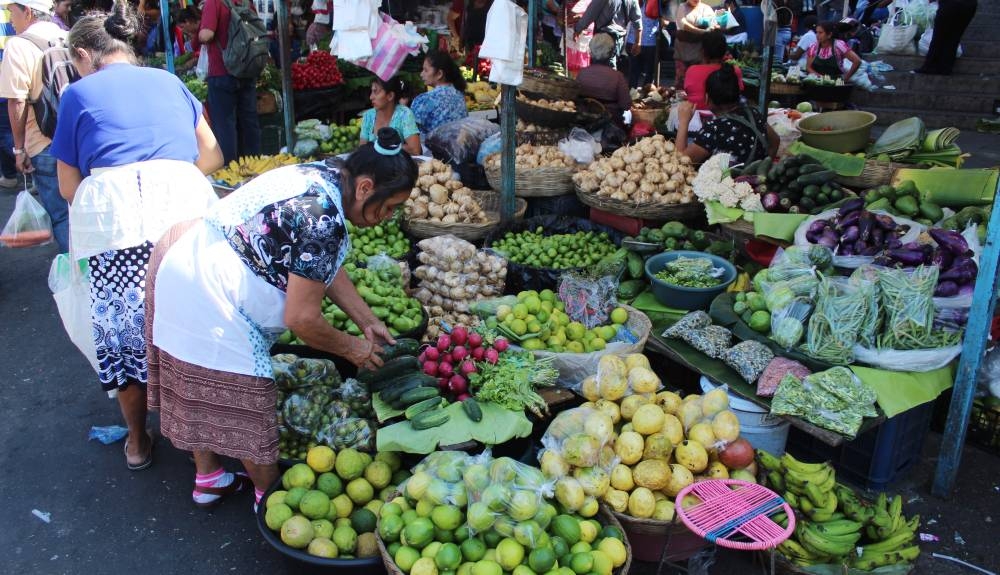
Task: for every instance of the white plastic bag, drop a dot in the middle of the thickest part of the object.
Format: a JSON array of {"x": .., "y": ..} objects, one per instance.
[
  {"x": 29, "y": 225},
  {"x": 898, "y": 35},
  {"x": 201, "y": 70},
  {"x": 916, "y": 360},
  {"x": 580, "y": 145},
  {"x": 70, "y": 285},
  {"x": 924, "y": 45}
]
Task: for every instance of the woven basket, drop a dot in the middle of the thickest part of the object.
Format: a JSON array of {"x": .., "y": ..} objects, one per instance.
[
  {"x": 535, "y": 182},
  {"x": 488, "y": 200},
  {"x": 549, "y": 85},
  {"x": 785, "y": 89},
  {"x": 543, "y": 116},
  {"x": 875, "y": 174},
  {"x": 646, "y": 115},
  {"x": 647, "y": 211},
  {"x": 543, "y": 138}
]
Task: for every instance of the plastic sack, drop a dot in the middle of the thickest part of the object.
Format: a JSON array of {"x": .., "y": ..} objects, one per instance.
[
  {"x": 915, "y": 360},
  {"x": 749, "y": 359},
  {"x": 459, "y": 141},
  {"x": 578, "y": 453},
  {"x": 580, "y": 146},
  {"x": 768, "y": 382},
  {"x": 920, "y": 12},
  {"x": 356, "y": 396},
  {"x": 305, "y": 147},
  {"x": 712, "y": 340},
  {"x": 70, "y": 286},
  {"x": 488, "y": 307},
  {"x": 842, "y": 309},
  {"x": 349, "y": 432},
  {"x": 694, "y": 320},
  {"x": 834, "y": 399},
  {"x": 438, "y": 478},
  {"x": 29, "y": 224},
  {"x": 989, "y": 373},
  {"x": 619, "y": 376},
  {"x": 851, "y": 262},
  {"x": 866, "y": 277},
  {"x": 303, "y": 410},
  {"x": 201, "y": 69},
  {"x": 292, "y": 372},
  {"x": 589, "y": 301},
  {"x": 897, "y": 35},
  {"x": 509, "y": 497},
  {"x": 924, "y": 44},
  {"x": 491, "y": 145},
  {"x": 907, "y": 297},
  {"x": 788, "y": 323}
]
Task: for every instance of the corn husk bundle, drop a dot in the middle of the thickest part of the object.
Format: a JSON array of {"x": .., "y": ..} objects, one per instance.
[{"x": 649, "y": 171}]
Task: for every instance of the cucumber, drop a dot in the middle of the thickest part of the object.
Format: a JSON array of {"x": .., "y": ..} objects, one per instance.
[
  {"x": 635, "y": 265},
  {"x": 418, "y": 394},
  {"x": 404, "y": 346},
  {"x": 630, "y": 289},
  {"x": 472, "y": 410},
  {"x": 390, "y": 369},
  {"x": 751, "y": 168},
  {"x": 429, "y": 419},
  {"x": 401, "y": 385},
  {"x": 763, "y": 167},
  {"x": 818, "y": 178},
  {"x": 401, "y": 380},
  {"x": 811, "y": 169},
  {"x": 422, "y": 406}
]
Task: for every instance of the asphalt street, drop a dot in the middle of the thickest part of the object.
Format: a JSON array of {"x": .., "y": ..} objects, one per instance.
[{"x": 102, "y": 519}]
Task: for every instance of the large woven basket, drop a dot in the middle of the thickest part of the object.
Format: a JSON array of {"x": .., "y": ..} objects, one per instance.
[
  {"x": 535, "y": 182},
  {"x": 543, "y": 116},
  {"x": 647, "y": 115},
  {"x": 785, "y": 89},
  {"x": 647, "y": 211},
  {"x": 548, "y": 85},
  {"x": 489, "y": 200},
  {"x": 540, "y": 138},
  {"x": 875, "y": 174},
  {"x": 604, "y": 517}
]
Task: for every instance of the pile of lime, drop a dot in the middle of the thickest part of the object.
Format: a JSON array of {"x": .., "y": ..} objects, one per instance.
[
  {"x": 511, "y": 529},
  {"x": 342, "y": 139},
  {"x": 329, "y": 505},
  {"x": 385, "y": 238},
  {"x": 538, "y": 321},
  {"x": 556, "y": 251}
]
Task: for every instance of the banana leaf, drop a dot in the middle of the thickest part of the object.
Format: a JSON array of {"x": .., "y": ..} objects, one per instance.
[
  {"x": 498, "y": 426},
  {"x": 952, "y": 188},
  {"x": 938, "y": 140},
  {"x": 905, "y": 136},
  {"x": 843, "y": 164}
]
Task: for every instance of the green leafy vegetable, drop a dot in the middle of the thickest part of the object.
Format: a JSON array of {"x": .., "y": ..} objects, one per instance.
[
  {"x": 511, "y": 382},
  {"x": 690, "y": 272}
]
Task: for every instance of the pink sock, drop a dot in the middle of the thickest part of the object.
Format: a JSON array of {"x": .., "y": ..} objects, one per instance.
[
  {"x": 217, "y": 478},
  {"x": 257, "y": 495},
  {"x": 208, "y": 479}
]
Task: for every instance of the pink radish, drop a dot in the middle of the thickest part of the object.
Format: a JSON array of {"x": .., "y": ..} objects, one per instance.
[
  {"x": 459, "y": 335},
  {"x": 492, "y": 356},
  {"x": 467, "y": 367},
  {"x": 447, "y": 358},
  {"x": 475, "y": 340},
  {"x": 501, "y": 344},
  {"x": 443, "y": 342},
  {"x": 479, "y": 353},
  {"x": 431, "y": 368},
  {"x": 443, "y": 383},
  {"x": 432, "y": 354},
  {"x": 457, "y": 384},
  {"x": 445, "y": 369},
  {"x": 459, "y": 353}
]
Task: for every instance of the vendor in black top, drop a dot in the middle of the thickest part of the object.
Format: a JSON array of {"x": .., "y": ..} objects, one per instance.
[{"x": 736, "y": 129}]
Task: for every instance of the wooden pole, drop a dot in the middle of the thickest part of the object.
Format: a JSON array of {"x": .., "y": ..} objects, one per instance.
[
  {"x": 284, "y": 57},
  {"x": 532, "y": 29},
  {"x": 973, "y": 346}
]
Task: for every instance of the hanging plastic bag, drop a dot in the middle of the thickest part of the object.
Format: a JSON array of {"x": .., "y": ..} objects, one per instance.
[
  {"x": 70, "y": 285},
  {"x": 580, "y": 145},
  {"x": 201, "y": 69},
  {"x": 924, "y": 45},
  {"x": 788, "y": 323},
  {"x": 28, "y": 226}
]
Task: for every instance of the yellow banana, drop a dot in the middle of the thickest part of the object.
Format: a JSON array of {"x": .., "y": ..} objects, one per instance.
[
  {"x": 839, "y": 527},
  {"x": 776, "y": 481},
  {"x": 769, "y": 461},
  {"x": 792, "y": 464},
  {"x": 805, "y": 505},
  {"x": 827, "y": 544},
  {"x": 891, "y": 544},
  {"x": 817, "y": 497},
  {"x": 818, "y": 477},
  {"x": 792, "y": 499},
  {"x": 793, "y": 550},
  {"x": 869, "y": 561}
]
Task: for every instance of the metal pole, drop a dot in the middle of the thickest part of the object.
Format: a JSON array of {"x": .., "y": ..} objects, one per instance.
[
  {"x": 532, "y": 29},
  {"x": 508, "y": 121},
  {"x": 973, "y": 346},
  {"x": 168, "y": 40},
  {"x": 767, "y": 38},
  {"x": 285, "y": 57},
  {"x": 567, "y": 35}
]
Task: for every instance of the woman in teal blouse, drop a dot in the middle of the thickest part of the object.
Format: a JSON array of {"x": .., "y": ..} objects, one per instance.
[{"x": 387, "y": 112}]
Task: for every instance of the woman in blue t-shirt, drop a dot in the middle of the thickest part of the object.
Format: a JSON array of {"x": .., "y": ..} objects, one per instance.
[
  {"x": 445, "y": 102},
  {"x": 129, "y": 172},
  {"x": 387, "y": 112}
]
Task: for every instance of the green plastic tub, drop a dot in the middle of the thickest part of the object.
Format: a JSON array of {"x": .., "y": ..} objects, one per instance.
[{"x": 844, "y": 131}]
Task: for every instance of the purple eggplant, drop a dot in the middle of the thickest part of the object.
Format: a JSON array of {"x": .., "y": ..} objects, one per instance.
[
  {"x": 951, "y": 241},
  {"x": 850, "y": 235},
  {"x": 846, "y": 250},
  {"x": 907, "y": 257},
  {"x": 828, "y": 239},
  {"x": 771, "y": 202},
  {"x": 942, "y": 259},
  {"x": 946, "y": 288},
  {"x": 818, "y": 226},
  {"x": 871, "y": 251},
  {"x": 851, "y": 205},
  {"x": 967, "y": 290},
  {"x": 886, "y": 222},
  {"x": 878, "y": 236},
  {"x": 850, "y": 219},
  {"x": 893, "y": 244},
  {"x": 916, "y": 246},
  {"x": 964, "y": 270},
  {"x": 865, "y": 224}
]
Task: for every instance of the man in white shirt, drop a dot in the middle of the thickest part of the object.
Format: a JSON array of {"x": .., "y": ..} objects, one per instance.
[{"x": 797, "y": 55}]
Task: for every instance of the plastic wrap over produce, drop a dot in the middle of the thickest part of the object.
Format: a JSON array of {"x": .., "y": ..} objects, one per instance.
[
  {"x": 578, "y": 453},
  {"x": 509, "y": 497}
]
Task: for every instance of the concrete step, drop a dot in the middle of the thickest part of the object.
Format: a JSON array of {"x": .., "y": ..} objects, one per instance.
[
  {"x": 980, "y": 49},
  {"x": 933, "y": 120},
  {"x": 979, "y": 31},
  {"x": 964, "y": 65},
  {"x": 933, "y": 102},
  {"x": 956, "y": 83}
]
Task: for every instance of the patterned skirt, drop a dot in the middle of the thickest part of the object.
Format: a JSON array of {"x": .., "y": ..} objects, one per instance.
[
  {"x": 117, "y": 297},
  {"x": 203, "y": 409}
]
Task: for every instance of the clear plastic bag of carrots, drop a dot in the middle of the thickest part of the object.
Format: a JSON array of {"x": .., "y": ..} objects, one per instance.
[{"x": 28, "y": 226}]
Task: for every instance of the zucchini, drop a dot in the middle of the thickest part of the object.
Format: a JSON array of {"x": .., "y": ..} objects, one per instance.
[
  {"x": 422, "y": 406},
  {"x": 751, "y": 168},
  {"x": 401, "y": 385},
  {"x": 418, "y": 394},
  {"x": 818, "y": 178},
  {"x": 811, "y": 191},
  {"x": 390, "y": 369},
  {"x": 763, "y": 167},
  {"x": 472, "y": 410},
  {"x": 811, "y": 169},
  {"x": 630, "y": 289},
  {"x": 404, "y": 346},
  {"x": 429, "y": 419},
  {"x": 635, "y": 265}
]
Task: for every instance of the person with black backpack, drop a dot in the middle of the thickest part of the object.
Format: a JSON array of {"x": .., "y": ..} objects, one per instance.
[
  {"x": 237, "y": 45},
  {"x": 24, "y": 83}
]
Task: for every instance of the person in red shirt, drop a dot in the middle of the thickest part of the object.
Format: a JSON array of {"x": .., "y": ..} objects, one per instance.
[
  {"x": 232, "y": 102},
  {"x": 713, "y": 48}
]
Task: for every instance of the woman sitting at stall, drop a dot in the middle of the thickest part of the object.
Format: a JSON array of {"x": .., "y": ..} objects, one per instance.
[
  {"x": 713, "y": 49},
  {"x": 386, "y": 111},
  {"x": 826, "y": 57},
  {"x": 221, "y": 289},
  {"x": 736, "y": 129},
  {"x": 445, "y": 102},
  {"x": 602, "y": 82}
]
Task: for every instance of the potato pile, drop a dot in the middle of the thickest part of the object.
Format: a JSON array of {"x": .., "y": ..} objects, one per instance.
[
  {"x": 650, "y": 171},
  {"x": 452, "y": 275},
  {"x": 532, "y": 156},
  {"x": 438, "y": 197},
  {"x": 557, "y": 105}
]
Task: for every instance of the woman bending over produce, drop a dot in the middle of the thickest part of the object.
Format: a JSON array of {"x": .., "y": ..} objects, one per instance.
[
  {"x": 125, "y": 191},
  {"x": 386, "y": 111},
  {"x": 826, "y": 57},
  {"x": 222, "y": 289},
  {"x": 736, "y": 129},
  {"x": 445, "y": 102}
]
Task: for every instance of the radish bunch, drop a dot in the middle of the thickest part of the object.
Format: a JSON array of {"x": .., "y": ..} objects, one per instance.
[{"x": 452, "y": 359}]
